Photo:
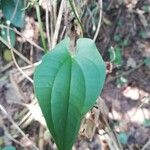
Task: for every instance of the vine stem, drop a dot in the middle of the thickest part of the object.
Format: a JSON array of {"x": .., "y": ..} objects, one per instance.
[
  {"x": 100, "y": 19},
  {"x": 14, "y": 59},
  {"x": 58, "y": 23},
  {"x": 76, "y": 15},
  {"x": 40, "y": 25},
  {"x": 23, "y": 37}
]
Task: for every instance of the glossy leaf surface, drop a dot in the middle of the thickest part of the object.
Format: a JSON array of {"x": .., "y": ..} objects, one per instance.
[{"x": 67, "y": 86}]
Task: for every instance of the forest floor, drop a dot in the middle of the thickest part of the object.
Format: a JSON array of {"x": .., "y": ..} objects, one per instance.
[{"x": 124, "y": 43}]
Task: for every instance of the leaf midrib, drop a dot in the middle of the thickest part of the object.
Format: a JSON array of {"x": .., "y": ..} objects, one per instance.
[
  {"x": 73, "y": 59},
  {"x": 59, "y": 68}
]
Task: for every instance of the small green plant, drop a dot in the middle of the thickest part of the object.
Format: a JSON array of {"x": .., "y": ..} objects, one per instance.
[
  {"x": 115, "y": 53},
  {"x": 67, "y": 86}
]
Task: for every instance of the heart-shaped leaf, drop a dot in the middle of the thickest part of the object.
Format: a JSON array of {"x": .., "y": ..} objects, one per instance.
[
  {"x": 13, "y": 11},
  {"x": 67, "y": 86}
]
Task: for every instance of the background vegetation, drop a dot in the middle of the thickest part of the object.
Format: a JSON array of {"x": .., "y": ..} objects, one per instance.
[{"x": 122, "y": 37}]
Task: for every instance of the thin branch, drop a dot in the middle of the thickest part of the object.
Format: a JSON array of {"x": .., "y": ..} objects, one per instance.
[
  {"x": 41, "y": 26},
  {"x": 31, "y": 66},
  {"x": 4, "y": 68},
  {"x": 59, "y": 18},
  {"x": 15, "y": 51},
  {"x": 54, "y": 8},
  {"x": 51, "y": 21},
  {"x": 125, "y": 73},
  {"x": 41, "y": 139},
  {"x": 20, "y": 34},
  {"x": 66, "y": 20},
  {"x": 14, "y": 59},
  {"x": 63, "y": 32},
  {"x": 21, "y": 71},
  {"x": 47, "y": 25},
  {"x": 76, "y": 15},
  {"x": 100, "y": 20},
  {"x": 143, "y": 101},
  {"x": 16, "y": 126},
  {"x": 12, "y": 138},
  {"x": 147, "y": 145}
]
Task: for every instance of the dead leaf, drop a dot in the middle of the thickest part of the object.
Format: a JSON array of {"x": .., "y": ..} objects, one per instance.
[
  {"x": 132, "y": 93},
  {"x": 131, "y": 62}
]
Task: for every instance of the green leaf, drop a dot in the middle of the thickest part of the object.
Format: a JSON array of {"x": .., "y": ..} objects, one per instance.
[
  {"x": 146, "y": 123},
  {"x": 7, "y": 55},
  {"x": 125, "y": 42},
  {"x": 144, "y": 34},
  {"x": 123, "y": 138},
  {"x": 13, "y": 11},
  {"x": 146, "y": 8},
  {"x": 147, "y": 62},
  {"x": 117, "y": 38},
  {"x": 67, "y": 86},
  {"x": 115, "y": 55},
  {"x": 9, "y": 148},
  {"x": 12, "y": 36},
  {"x": 121, "y": 81}
]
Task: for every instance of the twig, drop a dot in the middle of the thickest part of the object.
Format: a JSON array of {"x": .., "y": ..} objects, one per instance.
[
  {"x": 59, "y": 18},
  {"x": 15, "y": 62},
  {"x": 66, "y": 22},
  {"x": 41, "y": 141},
  {"x": 76, "y": 15},
  {"x": 15, "y": 51},
  {"x": 19, "y": 93},
  {"x": 40, "y": 25},
  {"x": 100, "y": 20},
  {"x": 12, "y": 52},
  {"x": 16, "y": 126},
  {"x": 63, "y": 31},
  {"x": 91, "y": 16},
  {"x": 31, "y": 53},
  {"x": 31, "y": 66},
  {"x": 13, "y": 56},
  {"x": 147, "y": 145},
  {"x": 144, "y": 100},
  {"x": 20, "y": 34},
  {"x": 51, "y": 21},
  {"x": 125, "y": 73},
  {"x": 54, "y": 11},
  {"x": 25, "y": 117},
  {"x": 3, "y": 69},
  {"x": 47, "y": 26},
  {"x": 12, "y": 138},
  {"x": 115, "y": 145}
]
